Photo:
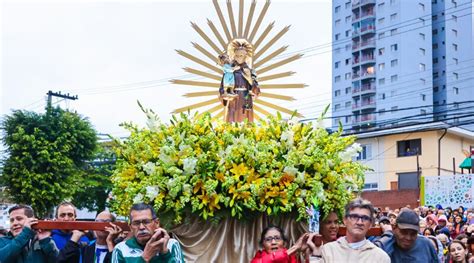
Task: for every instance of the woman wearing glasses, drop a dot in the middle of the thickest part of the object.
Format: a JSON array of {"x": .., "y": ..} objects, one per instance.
[{"x": 274, "y": 243}]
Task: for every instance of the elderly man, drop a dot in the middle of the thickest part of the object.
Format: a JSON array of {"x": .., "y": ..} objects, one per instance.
[
  {"x": 22, "y": 244},
  {"x": 149, "y": 243},
  {"x": 353, "y": 247},
  {"x": 404, "y": 244}
]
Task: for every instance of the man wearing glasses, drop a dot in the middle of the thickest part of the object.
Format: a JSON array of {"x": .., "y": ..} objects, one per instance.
[
  {"x": 353, "y": 247},
  {"x": 149, "y": 243}
]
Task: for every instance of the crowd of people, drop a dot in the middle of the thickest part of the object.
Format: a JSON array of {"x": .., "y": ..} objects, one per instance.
[{"x": 422, "y": 234}]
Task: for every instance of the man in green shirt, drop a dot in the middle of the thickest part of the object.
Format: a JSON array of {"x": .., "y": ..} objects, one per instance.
[{"x": 149, "y": 243}]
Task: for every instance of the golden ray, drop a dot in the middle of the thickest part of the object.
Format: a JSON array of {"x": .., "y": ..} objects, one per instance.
[
  {"x": 199, "y": 61},
  {"x": 249, "y": 19},
  {"x": 231, "y": 18},
  {"x": 218, "y": 115},
  {"x": 279, "y": 64},
  {"x": 261, "y": 110},
  {"x": 204, "y": 51},
  {"x": 221, "y": 18},
  {"x": 271, "y": 42},
  {"x": 217, "y": 34},
  {"x": 205, "y": 37},
  {"x": 256, "y": 116},
  {"x": 241, "y": 18},
  {"x": 195, "y": 83},
  {"x": 278, "y": 108},
  {"x": 202, "y": 94},
  {"x": 259, "y": 21},
  {"x": 276, "y": 96},
  {"x": 211, "y": 110},
  {"x": 269, "y": 57},
  {"x": 283, "y": 86},
  {"x": 203, "y": 74},
  {"x": 197, "y": 105},
  {"x": 276, "y": 76},
  {"x": 264, "y": 34}
]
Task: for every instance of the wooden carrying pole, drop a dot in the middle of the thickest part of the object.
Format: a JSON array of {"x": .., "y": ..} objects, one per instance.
[{"x": 78, "y": 225}]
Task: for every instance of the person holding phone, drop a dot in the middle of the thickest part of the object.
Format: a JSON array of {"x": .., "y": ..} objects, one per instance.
[{"x": 150, "y": 242}]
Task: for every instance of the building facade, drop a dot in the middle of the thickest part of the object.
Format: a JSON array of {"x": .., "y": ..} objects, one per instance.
[{"x": 398, "y": 62}]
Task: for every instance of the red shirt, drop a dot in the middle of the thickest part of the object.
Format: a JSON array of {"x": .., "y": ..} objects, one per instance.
[{"x": 280, "y": 256}]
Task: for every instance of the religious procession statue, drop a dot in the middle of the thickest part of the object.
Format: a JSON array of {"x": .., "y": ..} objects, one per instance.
[{"x": 239, "y": 86}]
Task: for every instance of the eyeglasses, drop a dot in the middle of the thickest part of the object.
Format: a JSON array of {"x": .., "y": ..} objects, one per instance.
[
  {"x": 356, "y": 217},
  {"x": 145, "y": 222},
  {"x": 270, "y": 239}
]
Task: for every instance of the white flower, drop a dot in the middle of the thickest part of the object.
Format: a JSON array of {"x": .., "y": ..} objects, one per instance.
[
  {"x": 153, "y": 121},
  {"x": 138, "y": 198},
  {"x": 189, "y": 164},
  {"x": 288, "y": 137},
  {"x": 149, "y": 168},
  {"x": 300, "y": 178},
  {"x": 240, "y": 140},
  {"x": 290, "y": 170},
  {"x": 350, "y": 152},
  {"x": 171, "y": 182},
  {"x": 293, "y": 121},
  {"x": 187, "y": 188},
  {"x": 319, "y": 124},
  {"x": 166, "y": 159},
  {"x": 152, "y": 192}
]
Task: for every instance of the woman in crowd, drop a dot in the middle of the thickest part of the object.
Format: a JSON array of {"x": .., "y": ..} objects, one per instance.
[
  {"x": 458, "y": 226},
  {"x": 273, "y": 242},
  {"x": 431, "y": 221},
  {"x": 458, "y": 252},
  {"x": 428, "y": 232}
]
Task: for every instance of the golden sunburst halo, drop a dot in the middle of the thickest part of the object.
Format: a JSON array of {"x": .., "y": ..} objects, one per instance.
[{"x": 264, "y": 64}]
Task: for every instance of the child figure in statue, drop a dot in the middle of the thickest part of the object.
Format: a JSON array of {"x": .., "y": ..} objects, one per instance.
[{"x": 228, "y": 78}]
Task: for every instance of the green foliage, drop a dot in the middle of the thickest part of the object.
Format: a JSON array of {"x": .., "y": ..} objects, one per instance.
[{"x": 46, "y": 155}]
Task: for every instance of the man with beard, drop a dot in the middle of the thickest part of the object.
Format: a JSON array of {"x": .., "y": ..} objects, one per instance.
[
  {"x": 149, "y": 243},
  {"x": 403, "y": 244},
  {"x": 354, "y": 247},
  {"x": 23, "y": 244}
]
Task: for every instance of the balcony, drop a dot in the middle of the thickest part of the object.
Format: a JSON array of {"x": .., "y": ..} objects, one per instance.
[
  {"x": 356, "y": 46},
  {"x": 364, "y": 105},
  {"x": 364, "y": 15},
  {"x": 358, "y": 3},
  {"x": 364, "y": 75},
  {"x": 367, "y": 29},
  {"x": 364, "y": 119},
  {"x": 367, "y": 89}
]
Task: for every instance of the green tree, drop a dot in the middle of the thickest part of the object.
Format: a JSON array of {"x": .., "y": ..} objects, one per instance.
[
  {"x": 97, "y": 185},
  {"x": 45, "y": 156}
]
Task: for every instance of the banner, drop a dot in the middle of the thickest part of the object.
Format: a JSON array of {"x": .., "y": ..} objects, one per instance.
[{"x": 448, "y": 190}]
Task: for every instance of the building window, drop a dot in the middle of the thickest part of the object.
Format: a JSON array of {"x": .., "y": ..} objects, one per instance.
[
  {"x": 435, "y": 60},
  {"x": 422, "y": 21},
  {"x": 393, "y": 93},
  {"x": 336, "y": 37},
  {"x": 337, "y": 93},
  {"x": 434, "y": 17},
  {"x": 455, "y": 75},
  {"x": 336, "y": 65},
  {"x": 409, "y": 148},
  {"x": 422, "y": 6},
  {"x": 381, "y": 66},
  {"x": 423, "y": 112},
  {"x": 381, "y": 35},
  {"x": 382, "y": 96},
  {"x": 348, "y": 104},
  {"x": 348, "y": 90},
  {"x": 381, "y": 81},
  {"x": 392, "y": 2},
  {"x": 455, "y": 32},
  {"x": 337, "y": 9},
  {"x": 393, "y": 16},
  {"x": 381, "y": 112},
  {"x": 348, "y": 60},
  {"x": 423, "y": 97},
  {"x": 435, "y": 89},
  {"x": 422, "y": 67},
  {"x": 394, "y": 47},
  {"x": 348, "y": 119},
  {"x": 393, "y": 78},
  {"x": 337, "y": 79},
  {"x": 435, "y": 32},
  {"x": 338, "y": 50},
  {"x": 455, "y": 18},
  {"x": 423, "y": 81},
  {"x": 422, "y": 36},
  {"x": 435, "y": 46},
  {"x": 348, "y": 19},
  {"x": 393, "y": 32},
  {"x": 422, "y": 51},
  {"x": 435, "y": 75},
  {"x": 366, "y": 153},
  {"x": 455, "y": 47},
  {"x": 348, "y": 5},
  {"x": 337, "y": 22},
  {"x": 347, "y": 76},
  {"x": 337, "y": 107},
  {"x": 348, "y": 32},
  {"x": 381, "y": 51},
  {"x": 455, "y": 60},
  {"x": 394, "y": 63},
  {"x": 456, "y": 90},
  {"x": 348, "y": 47},
  {"x": 381, "y": 20},
  {"x": 370, "y": 187},
  {"x": 394, "y": 109}
]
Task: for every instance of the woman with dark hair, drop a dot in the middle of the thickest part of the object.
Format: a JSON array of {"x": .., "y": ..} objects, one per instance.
[
  {"x": 458, "y": 226},
  {"x": 273, "y": 242},
  {"x": 458, "y": 252},
  {"x": 428, "y": 232}
]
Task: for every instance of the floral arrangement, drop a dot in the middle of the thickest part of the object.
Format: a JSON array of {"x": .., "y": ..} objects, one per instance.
[{"x": 195, "y": 165}]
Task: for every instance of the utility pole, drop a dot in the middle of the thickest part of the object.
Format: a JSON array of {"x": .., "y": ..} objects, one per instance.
[{"x": 58, "y": 94}]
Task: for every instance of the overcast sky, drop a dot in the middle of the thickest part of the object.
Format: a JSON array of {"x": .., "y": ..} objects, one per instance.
[{"x": 112, "y": 54}]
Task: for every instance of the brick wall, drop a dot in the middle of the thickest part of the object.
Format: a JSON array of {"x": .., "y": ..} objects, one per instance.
[{"x": 393, "y": 198}]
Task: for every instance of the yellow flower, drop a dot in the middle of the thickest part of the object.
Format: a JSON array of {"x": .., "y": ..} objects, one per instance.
[
  {"x": 286, "y": 180},
  {"x": 238, "y": 170},
  {"x": 220, "y": 177}
]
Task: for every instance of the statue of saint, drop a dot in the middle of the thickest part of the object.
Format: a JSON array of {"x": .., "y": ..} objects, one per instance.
[{"x": 239, "y": 104}]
